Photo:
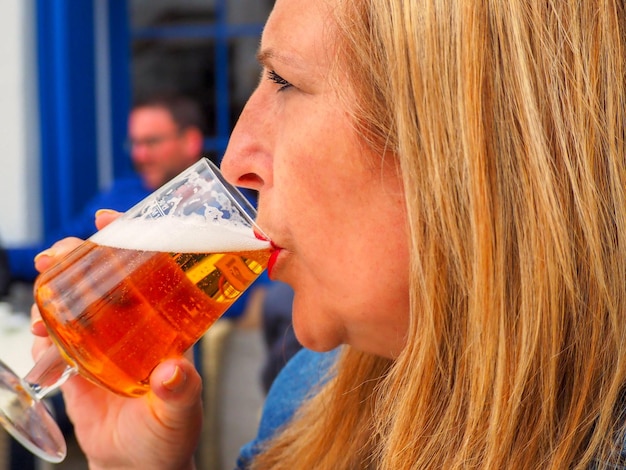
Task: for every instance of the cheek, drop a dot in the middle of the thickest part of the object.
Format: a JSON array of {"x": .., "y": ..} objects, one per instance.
[
  {"x": 354, "y": 289},
  {"x": 362, "y": 301}
]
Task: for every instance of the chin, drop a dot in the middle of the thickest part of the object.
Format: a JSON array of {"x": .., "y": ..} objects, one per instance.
[
  {"x": 315, "y": 340},
  {"x": 315, "y": 327}
]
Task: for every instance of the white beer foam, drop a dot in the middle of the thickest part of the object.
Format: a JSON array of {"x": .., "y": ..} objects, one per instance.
[{"x": 178, "y": 235}]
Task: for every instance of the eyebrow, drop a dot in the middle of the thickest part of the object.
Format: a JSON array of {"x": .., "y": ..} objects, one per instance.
[{"x": 266, "y": 56}]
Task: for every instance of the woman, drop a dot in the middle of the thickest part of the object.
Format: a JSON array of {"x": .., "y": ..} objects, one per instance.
[{"x": 444, "y": 182}]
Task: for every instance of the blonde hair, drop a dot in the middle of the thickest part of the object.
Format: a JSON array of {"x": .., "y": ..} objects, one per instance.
[{"x": 507, "y": 120}]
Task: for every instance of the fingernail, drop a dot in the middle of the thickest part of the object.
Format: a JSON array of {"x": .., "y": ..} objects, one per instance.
[
  {"x": 37, "y": 327},
  {"x": 100, "y": 212},
  {"x": 46, "y": 253},
  {"x": 176, "y": 381}
]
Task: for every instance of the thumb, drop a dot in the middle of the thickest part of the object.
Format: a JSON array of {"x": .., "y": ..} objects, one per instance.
[
  {"x": 177, "y": 387},
  {"x": 105, "y": 216}
]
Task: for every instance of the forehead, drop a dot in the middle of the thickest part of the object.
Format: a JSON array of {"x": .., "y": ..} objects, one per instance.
[
  {"x": 152, "y": 116},
  {"x": 299, "y": 32}
]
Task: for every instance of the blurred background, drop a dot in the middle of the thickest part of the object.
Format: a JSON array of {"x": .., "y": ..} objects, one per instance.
[{"x": 70, "y": 70}]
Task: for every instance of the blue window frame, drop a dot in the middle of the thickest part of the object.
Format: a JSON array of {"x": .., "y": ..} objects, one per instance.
[
  {"x": 70, "y": 70},
  {"x": 66, "y": 97},
  {"x": 214, "y": 33},
  {"x": 66, "y": 42}
]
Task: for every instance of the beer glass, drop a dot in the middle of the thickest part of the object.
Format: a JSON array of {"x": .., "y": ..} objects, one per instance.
[{"x": 143, "y": 289}]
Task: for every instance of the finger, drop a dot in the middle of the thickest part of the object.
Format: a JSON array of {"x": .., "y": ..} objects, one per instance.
[
  {"x": 105, "y": 216},
  {"x": 47, "y": 258},
  {"x": 37, "y": 326},
  {"x": 178, "y": 387},
  {"x": 40, "y": 345}
]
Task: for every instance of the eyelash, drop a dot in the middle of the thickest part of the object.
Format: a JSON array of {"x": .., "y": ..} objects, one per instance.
[{"x": 277, "y": 79}]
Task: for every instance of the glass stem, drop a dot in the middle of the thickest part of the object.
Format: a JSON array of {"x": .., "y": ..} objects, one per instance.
[{"x": 49, "y": 372}]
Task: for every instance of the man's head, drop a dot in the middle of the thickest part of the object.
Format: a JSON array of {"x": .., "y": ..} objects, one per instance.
[{"x": 164, "y": 136}]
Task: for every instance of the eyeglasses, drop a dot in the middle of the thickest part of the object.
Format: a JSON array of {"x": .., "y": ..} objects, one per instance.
[{"x": 150, "y": 142}]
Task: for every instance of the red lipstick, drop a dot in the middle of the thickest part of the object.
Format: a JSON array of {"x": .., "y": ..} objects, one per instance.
[
  {"x": 260, "y": 235},
  {"x": 273, "y": 256}
]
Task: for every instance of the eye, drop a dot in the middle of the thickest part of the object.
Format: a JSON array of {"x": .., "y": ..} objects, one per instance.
[{"x": 277, "y": 79}]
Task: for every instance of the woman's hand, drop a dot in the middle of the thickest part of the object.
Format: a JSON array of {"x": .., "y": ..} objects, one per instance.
[{"x": 158, "y": 430}]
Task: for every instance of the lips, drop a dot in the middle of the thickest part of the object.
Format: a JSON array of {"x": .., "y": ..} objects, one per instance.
[
  {"x": 260, "y": 236},
  {"x": 273, "y": 257},
  {"x": 275, "y": 251}
]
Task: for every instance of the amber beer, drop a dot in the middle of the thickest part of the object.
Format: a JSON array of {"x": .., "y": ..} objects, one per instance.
[{"x": 116, "y": 310}]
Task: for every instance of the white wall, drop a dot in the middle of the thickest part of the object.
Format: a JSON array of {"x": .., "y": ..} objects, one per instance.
[{"x": 20, "y": 220}]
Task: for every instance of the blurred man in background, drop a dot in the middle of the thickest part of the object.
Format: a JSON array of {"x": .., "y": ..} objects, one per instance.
[{"x": 165, "y": 136}]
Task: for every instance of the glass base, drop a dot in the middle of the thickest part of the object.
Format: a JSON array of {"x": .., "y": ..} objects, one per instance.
[{"x": 27, "y": 419}]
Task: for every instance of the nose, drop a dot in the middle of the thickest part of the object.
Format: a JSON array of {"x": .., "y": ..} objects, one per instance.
[
  {"x": 139, "y": 153},
  {"x": 247, "y": 161}
]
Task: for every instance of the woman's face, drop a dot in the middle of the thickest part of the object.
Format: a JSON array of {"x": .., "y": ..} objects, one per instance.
[{"x": 333, "y": 208}]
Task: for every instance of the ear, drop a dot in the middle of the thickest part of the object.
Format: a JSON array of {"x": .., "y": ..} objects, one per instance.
[{"x": 194, "y": 141}]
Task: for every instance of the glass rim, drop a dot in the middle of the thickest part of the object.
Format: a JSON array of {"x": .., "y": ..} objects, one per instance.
[{"x": 238, "y": 198}]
